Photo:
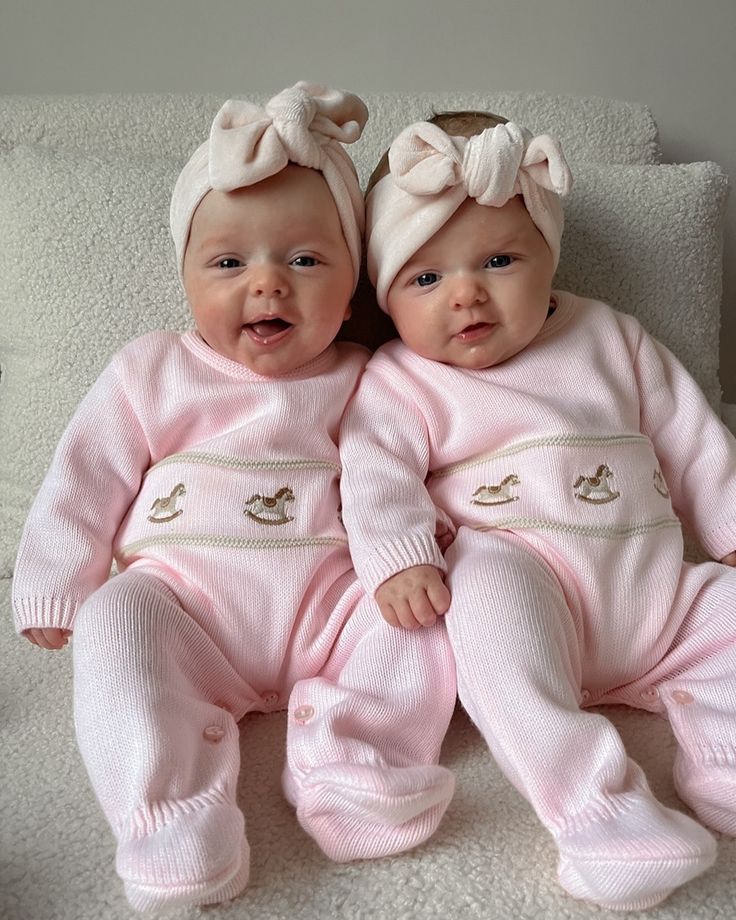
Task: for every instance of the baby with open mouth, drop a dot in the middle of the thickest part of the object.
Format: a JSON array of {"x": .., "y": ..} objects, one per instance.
[{"x": 215, "y": 486}]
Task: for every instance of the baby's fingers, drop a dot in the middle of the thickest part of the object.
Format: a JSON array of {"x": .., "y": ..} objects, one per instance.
[
  {"x": 439, "y": 596},
  {"x": 422, "y": 609},
  {"x": 49, "y": 638},
  {"x": 399, "y": 614}
]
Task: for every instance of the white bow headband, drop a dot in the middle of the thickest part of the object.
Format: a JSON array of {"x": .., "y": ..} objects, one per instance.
[
  {"x": 305, "y": 124},
  {"x": 432, "y": 173}
]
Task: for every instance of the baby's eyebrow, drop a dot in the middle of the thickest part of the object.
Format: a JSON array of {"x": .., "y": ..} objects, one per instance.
[
  {"x": 215, "y": 242},
  {"x": 505, "y": 242}
]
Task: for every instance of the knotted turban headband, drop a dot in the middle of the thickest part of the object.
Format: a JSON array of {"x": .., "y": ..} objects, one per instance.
[
  {"x": 305, "y": 124},
  {"x": 432, "y": 173}
]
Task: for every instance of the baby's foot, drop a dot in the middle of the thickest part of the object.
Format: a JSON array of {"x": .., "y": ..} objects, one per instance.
[
  {"x": 362, "y": 812},
  {"x": 709, "y": 790},
  {"x": 633, "y": 859},
  {"x": 198, "y": 857}
]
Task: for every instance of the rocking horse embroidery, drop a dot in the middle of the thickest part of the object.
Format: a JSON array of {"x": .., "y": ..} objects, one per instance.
[
  {"x": 497, "y": 495},
  {"x": 164, "y": 509},
  {"x": 660, "y": 485},
  {"x": 596, "y": 489},
  {"x": 270, "y": 510}
]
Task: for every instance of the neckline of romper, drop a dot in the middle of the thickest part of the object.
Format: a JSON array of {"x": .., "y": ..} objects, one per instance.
[{"x": 200, "y": 349}]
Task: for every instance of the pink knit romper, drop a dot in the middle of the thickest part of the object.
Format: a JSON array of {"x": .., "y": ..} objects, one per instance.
[
  {"x": 565, "y": 471},
  {"x": 216, "y": 492}
]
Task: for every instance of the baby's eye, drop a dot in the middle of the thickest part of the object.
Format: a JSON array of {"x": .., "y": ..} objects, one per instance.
[
  {"x": 229, "y": 263},
  {"x": 499, "y": 262},
  {"x": 426, "y": 278},
  {"x": 305, "y": 261}
]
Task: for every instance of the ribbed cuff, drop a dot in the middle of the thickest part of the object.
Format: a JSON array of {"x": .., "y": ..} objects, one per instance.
[
  {"x": 391, "y": 558},
  {"x": 43, "y": 613},
  {"x": 720, "y": 541}
]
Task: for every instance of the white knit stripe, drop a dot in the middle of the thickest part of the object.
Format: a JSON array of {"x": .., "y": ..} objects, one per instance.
[
  {"x": 236, "y": 463},
  {"x": 560, "y": 440},
  {"x": 604, "y": 533},
  {"x": 222, "y": 542}
]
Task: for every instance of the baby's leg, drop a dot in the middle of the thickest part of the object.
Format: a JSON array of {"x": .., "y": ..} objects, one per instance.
[
  {"x": 516, "y": 647},
  {"x": 696, "y": 684},
  {"x": 162, "y": 758},
  {"x": 364, "y": 739}
]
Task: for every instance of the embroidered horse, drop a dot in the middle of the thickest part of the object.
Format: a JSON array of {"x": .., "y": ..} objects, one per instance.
[
  {"x": 596, "y": 489},
  {"x": 497, "y": 495},
  {"x": 164, "y": 509},
  {"x": 270, "y": 509}
]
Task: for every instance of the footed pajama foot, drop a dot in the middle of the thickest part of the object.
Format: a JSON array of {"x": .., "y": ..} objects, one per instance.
[
  {"x": 710, "y": 790},
  {"x": 362, "y": 812},
  {"x": 635, "y": 858},
  {"x": 198, "y": 857}
]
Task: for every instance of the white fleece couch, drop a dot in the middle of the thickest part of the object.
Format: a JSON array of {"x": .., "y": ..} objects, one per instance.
[{"x": 85, "y": 265}]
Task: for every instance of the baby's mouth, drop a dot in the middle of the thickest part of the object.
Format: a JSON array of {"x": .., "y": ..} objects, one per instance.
[
  {"x": 475, "y": 330},
  {"x": 267, "y": 330}
]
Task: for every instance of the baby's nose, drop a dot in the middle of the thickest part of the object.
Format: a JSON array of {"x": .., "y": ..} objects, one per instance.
[
  {"x": 465, "y": 291},
  {"x": 267, "y": 281}
]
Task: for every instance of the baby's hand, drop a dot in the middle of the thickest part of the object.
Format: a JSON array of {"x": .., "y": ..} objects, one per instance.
[
  {"x": 414, "y": 597},
  {"x": 49, "y": 638},
  {"x": 730, "y": 559}
]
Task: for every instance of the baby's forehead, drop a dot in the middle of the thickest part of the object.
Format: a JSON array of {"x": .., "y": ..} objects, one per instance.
[
  {"x": 477, "y": 225},
  {"x": 301, "y": 198}
]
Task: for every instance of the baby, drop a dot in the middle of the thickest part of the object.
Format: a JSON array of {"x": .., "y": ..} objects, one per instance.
[
  {"x": 559, "y": 438},
  {"x": 206, "y": 465}
]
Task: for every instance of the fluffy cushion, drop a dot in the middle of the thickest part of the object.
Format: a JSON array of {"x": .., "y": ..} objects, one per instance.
[
  {"x": 86, "y": 264},
  {"x": 648, "y": 240},
  {"x": 607, "y": 130}
]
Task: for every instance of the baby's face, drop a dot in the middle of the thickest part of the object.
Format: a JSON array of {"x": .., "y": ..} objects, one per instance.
[
  {"x": 479, "y": 291},
  {"x": 267, "y": 271}
]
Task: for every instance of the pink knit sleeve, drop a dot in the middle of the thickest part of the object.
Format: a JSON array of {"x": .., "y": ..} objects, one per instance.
[
  {"x": 696, "y": 451},
  {"x": 387, "y": 511},
  {"x": 65, "y": 552}
]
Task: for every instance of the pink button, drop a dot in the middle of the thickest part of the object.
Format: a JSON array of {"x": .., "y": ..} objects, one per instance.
[
  {"x": 683, "y": 697},
  {"x": 650, "y": 695},
  {"x": 270, "y": 697},
  {"x": 213, "y": 733},
  {"x": 303, "y": 714}
]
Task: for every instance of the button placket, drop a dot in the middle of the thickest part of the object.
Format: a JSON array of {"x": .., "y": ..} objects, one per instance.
[
  {"x": 270, "y": 698},
  {"x": 303, "y": 714},
  {"x": 213, "y": 733},
  {"x": 683, "y": 697}
]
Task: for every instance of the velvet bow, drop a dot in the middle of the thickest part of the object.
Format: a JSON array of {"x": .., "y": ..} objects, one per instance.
[
  {"x": 492, "y": 166},
  {"x": 249, "y": 143}
]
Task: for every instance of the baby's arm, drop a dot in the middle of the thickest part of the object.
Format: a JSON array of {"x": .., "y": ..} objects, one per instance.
[
  {"x": 388, "y": 513},
  {"x": 696, "y": 451},
  {"x": 65, "y": 552}
]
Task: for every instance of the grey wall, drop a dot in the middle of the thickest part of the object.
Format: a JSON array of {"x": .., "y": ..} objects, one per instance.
[{"x": 678, "y": 56}]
